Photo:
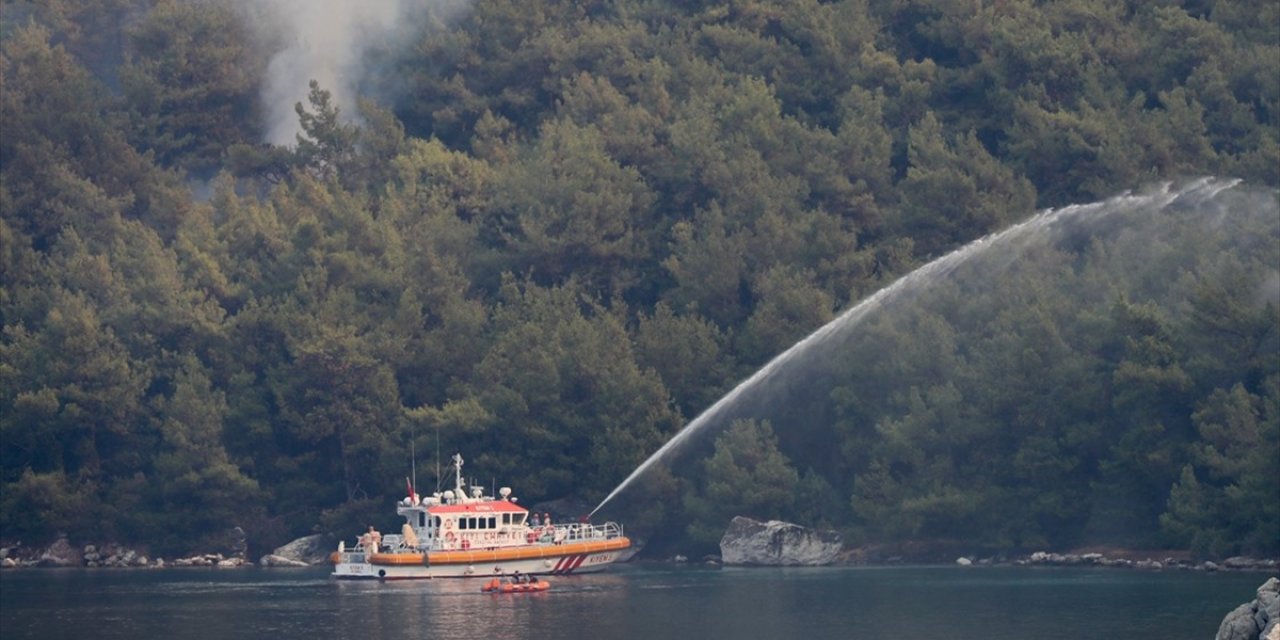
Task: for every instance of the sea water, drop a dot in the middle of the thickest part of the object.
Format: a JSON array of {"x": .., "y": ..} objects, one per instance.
[{"x": 637, "y": 601}]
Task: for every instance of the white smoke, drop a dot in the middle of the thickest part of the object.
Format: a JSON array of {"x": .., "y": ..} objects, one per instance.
[{"x": 328, "y": 41}]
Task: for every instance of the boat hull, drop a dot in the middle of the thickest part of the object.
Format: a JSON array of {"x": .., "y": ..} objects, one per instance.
[{"x": 560, "y": 559}]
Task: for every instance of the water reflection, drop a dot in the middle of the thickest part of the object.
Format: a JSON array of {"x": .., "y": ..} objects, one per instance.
[
  {"x": 632, "y": 603},
  {"x": 458, "y": 610}
]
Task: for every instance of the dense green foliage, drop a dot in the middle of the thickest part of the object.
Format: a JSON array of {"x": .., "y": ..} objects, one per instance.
[{"x": 578, "y": 224}]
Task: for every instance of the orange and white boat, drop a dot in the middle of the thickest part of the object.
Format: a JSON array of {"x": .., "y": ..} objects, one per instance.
[{"x": 456, "y": 535}]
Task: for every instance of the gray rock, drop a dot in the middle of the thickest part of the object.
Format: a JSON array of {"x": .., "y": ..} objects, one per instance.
[
  {"x": 313, "y": 549},
  {"x": 963, "y": 561},
  {"x": 1239, "y": 625},
  {"x": 1254, "y": 620},
  {"x": 1241, "y": 562},
  {"x": 60, "y": 554},
  {"x": 1268, "y": 615},
  {"x": 273, "y": 560},
  {"x": 777, "y": 543}
]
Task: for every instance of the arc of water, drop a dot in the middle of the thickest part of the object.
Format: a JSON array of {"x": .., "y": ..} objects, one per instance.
[{"x": 1201, "y": 189}]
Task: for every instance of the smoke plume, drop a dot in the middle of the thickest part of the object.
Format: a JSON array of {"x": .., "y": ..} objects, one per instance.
[{"x": 332, "y": 42}]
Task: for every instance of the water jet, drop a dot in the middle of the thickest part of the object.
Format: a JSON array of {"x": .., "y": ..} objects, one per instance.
[{"x": 1012, "y": 242}]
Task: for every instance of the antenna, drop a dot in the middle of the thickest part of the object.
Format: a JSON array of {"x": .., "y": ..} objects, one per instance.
[{"x": 437, "y": 457}]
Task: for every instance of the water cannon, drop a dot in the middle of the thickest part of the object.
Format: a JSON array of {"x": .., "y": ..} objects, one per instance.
[{"x": 504, "y": 492}]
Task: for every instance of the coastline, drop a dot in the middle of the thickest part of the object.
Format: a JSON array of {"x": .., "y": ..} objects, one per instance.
[{"x": 63, "y": 554}]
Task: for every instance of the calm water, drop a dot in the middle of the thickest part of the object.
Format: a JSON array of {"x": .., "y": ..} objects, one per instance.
[{"x": 636, "y": 601}]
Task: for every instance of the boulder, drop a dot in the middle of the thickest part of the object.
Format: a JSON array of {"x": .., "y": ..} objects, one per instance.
[
  {"x": 273, "y": 560},
  {"x": 1254, "y": 620},
  {"x": 777, "y": 543},
  {"x": 1239, "y": 625},
  {"x": 60, "y": 554},
  {"x": 313, "y": 549}
]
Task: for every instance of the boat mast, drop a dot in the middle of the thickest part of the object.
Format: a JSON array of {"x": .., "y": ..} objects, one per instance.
[{"x": 457, "y": 475}]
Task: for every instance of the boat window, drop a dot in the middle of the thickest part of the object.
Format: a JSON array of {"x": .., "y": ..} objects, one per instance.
[
  {"x": 473, "y": 523},
  {"x": 493, "y": 522},
  {"x": 462, "y": 523},
  {"x": 422, "y": 520},
  {"x": 506, "y": 518}
]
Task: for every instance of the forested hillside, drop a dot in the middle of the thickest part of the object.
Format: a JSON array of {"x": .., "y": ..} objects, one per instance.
[{"x": 547, "y": 234}]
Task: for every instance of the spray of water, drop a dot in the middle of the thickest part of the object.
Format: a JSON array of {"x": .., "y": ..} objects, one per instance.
[{"x": 1012, "y": 241}]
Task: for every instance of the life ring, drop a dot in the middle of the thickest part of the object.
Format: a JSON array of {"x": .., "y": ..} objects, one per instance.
[
  {"x": 448, "y": 524},
  {"x": 449, "y": 536}
]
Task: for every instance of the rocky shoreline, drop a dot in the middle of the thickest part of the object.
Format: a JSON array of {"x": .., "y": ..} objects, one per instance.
[
  {"x": 108, "y": 556},
  {"x": 303, "y": 552},
  {"x": 749, "y": 542},
  {"x": 1047, "y": 559},
  {"x": 1256, "y": 620},
  {"x": 776, "y": 543},
  {"x": 855, "y": 557}
]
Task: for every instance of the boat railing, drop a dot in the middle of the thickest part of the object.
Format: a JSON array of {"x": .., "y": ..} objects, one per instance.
[{"x": 585, "y": 531}]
